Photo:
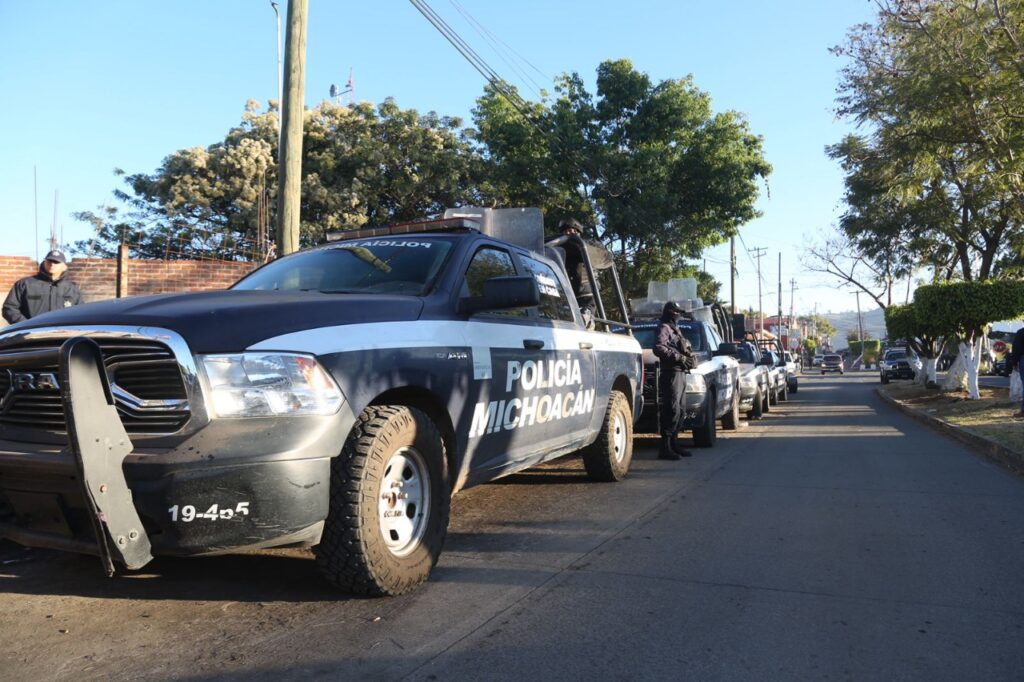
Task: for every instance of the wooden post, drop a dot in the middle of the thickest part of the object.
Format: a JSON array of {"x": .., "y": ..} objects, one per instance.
[
  {"x": 122, "y": 271},
  {"x": 289, "y": 191}
]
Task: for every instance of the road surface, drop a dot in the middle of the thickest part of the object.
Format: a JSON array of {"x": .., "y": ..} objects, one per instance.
[{"x": 835, "y": 539}]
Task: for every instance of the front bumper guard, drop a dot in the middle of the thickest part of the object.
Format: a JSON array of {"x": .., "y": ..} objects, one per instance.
[{"x": 99, "y": 444}]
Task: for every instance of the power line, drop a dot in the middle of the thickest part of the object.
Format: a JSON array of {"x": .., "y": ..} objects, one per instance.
[{"x": 494, "y": 42}]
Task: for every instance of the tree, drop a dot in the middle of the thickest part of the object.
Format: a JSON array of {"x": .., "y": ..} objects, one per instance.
[
  {"x": 921, "y": 333},
  {"x": 937, "y": 179},
  {"x": 963, "y": 310},
  {"x": 647, "y": 164},
  {"x": 361, "y": 165}
]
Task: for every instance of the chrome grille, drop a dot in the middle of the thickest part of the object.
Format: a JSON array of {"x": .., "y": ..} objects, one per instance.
[{"x": 146, "y": 380}]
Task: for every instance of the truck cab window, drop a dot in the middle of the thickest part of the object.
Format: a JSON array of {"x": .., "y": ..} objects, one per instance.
[
  {"x": 489, "y": 262},
  {"x": 553, "y": 303}
]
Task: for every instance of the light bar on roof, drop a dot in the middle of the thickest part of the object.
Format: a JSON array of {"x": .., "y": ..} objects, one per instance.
[{"x": 441, "y": 225}]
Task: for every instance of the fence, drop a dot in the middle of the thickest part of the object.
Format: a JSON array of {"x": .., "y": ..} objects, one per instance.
[{"x": 97, "y": 278}]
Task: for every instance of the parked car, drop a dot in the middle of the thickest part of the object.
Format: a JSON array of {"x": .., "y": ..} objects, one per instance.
[
  {"x": 832, "y": 363},
  {"x": 816, "y": 360},
  {"x": 778, "y": 387},
  {"x": 897, "y": 363},
  {"x": 754, "y": 381},
  {"x": 792, "y": 369}
]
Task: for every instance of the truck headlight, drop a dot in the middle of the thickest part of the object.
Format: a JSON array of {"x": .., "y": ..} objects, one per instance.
[
  {"x": 748, "y": 381},
  {"x": 695, "y": 383},
  {"x": 269, "y": 384}
]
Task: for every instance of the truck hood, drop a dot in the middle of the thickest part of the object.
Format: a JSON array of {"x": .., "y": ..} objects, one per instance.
[{"x": 230, "y": 321}]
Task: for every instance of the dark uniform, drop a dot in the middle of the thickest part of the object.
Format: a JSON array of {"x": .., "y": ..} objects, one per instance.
[
  {"x": 582, "y": 287},
  {"x": 676, "y": 358},
  {"x": 38, "y": 294}
]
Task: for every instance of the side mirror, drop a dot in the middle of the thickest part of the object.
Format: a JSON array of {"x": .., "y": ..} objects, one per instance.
[
  {"x": 502, "y": 293},
  {"x": 727, "y": 349}
]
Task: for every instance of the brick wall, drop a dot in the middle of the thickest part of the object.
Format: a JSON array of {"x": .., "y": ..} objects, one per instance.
[{"x": 97, "y": 277}]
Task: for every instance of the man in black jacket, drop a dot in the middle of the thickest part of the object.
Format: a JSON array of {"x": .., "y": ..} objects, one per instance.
[
  {"x": 676, "y": 358},
  {"x": 44, "y": 291}
]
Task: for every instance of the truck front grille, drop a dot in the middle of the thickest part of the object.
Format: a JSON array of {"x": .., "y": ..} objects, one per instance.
[{"x": 146, "y": 380}]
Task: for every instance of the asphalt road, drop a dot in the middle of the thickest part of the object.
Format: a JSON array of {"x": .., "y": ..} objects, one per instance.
[{"x": 835, "y": 539}]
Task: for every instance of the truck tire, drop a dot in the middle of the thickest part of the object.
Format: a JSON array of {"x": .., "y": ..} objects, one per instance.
[
  {"x": 784, "y": 393},
  {"x": 731, "y": 419},
  {"x": 766, "y": 402},
  {"x": 795, "y": 386},
  {"x": 705, "y": 435},
  {"x": 757, "y": 409},
  {"x": 389, "y": 506},
  {"x": 773, "y": 396},
  {"x": 608, "y": 457}
]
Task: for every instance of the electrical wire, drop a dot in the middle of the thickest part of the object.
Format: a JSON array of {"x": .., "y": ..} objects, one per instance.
[{"x": 496, "y": 44}]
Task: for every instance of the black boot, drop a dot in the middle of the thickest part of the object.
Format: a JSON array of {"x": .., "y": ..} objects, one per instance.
[
  {"x": 678, "y": 448},
  {"x": 666, "y": 451}
]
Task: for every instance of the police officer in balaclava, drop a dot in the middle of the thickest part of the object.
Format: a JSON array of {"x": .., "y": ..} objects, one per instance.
[{"x": 676, "y": 357}]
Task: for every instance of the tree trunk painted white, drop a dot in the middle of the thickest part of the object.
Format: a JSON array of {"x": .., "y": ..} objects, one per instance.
[
  {"x": 971, "y": 352},
  {"x": 1016, "y": 388},
  {"x": 927, "y": 373},
  {"x": 956, "y": 377}
]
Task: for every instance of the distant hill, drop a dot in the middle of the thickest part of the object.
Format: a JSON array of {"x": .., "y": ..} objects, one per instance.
[{"x": 846, "y": 322}]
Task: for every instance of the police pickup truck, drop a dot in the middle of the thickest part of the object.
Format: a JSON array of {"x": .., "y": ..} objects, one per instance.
[{"x": 334, "y": 398}]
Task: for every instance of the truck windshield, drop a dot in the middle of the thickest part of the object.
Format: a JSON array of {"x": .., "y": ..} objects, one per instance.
[
  {"x": 390, "y": 265},
  {"x": 645, "y": 337}
]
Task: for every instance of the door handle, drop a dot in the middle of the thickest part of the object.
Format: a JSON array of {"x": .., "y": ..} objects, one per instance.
[
  {"x": 533, "y": 344},
  {"x": 586, "y": 345}
]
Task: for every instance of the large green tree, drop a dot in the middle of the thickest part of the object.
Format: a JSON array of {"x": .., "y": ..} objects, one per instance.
[
  {"x": 648, "y": 164},
  {"x": 361, "y": 164},
  {"x": 937, "y": 177}
]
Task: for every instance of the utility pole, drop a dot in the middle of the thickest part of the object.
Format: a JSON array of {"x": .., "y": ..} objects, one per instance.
[
  {"x": 860, "y": 329},
  {"x": 792, "y": 290},
  {"x": 779, "y": 317},
  {"x": 53, "y": 227},
  {"x": 35, "y": 199},
  {"x": 289, "y": 193},
  {"x": 732, "y": 272},
  {"x": 758, "y": 253}
]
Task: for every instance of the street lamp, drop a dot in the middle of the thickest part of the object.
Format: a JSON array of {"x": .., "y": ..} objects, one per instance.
[{"x": 280, "y": 72}]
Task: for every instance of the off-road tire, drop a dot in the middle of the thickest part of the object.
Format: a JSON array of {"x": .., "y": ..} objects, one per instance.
[
  {"x": 352, "y": 553},
  {"x": 731, "y": 419},
  {"x": 757, "y": 409},
  {"x": 705, "y": 435},
  {"x": 608, "y": 458}
]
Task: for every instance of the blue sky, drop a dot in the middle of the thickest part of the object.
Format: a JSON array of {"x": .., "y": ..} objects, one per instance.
[{"x": 93, "y": 86}]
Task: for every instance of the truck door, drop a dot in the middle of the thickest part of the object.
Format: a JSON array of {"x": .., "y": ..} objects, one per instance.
[
  {"x": 568, "y": 365},
  {"x": 501, "y": 342}
]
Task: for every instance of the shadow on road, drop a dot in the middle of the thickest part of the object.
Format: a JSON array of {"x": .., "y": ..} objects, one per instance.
[{"x": 283, "y": 575}]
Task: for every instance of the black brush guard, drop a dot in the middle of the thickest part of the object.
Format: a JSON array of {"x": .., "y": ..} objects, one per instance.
[{"x": 99, "y": 444}]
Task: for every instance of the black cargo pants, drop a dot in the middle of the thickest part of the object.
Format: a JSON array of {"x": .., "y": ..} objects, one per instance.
[{"x": 671, "y": 386}]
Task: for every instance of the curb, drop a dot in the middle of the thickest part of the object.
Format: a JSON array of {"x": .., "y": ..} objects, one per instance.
[{"x": 1009, "y": 459}]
